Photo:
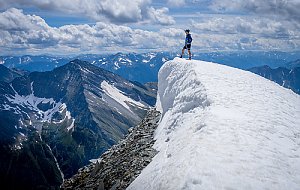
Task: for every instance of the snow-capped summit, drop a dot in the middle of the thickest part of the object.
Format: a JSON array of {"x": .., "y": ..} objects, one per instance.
[{"x": 223, "y": 128}]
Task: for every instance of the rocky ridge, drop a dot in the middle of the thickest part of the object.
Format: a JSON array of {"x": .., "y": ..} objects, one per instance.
[{"x": 122, "y": 163}]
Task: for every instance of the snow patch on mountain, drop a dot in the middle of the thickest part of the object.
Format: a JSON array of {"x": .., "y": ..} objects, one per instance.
[
  {"x": 56, "y": 162},
  {"x": 34, "y": 104},
  {"x": 223, "y": 128},
  {"x": 119, "y": 100},
  {"x": 86, "y": 70},
  {"x": 116, "y": 65},
  {"x": 71, "y": 127},
  {"x": 26, "y": 59},
  {"x": 151, "y": 55}
]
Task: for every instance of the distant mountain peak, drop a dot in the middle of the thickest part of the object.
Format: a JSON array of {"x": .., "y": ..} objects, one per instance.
[
  {"x": 8, "y": 75},
  {"x": 78, "y": 63},
  {"x": 80, "y": 67},
  {"x": 286, "y": 77},
  {"x": 293, "y": 64}
]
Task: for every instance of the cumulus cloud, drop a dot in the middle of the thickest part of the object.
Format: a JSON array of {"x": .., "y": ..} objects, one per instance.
[
  {"x": 122, "y": 11},
  {"x": 24, "y": 33},
  {"x": 285, "y": 9},
  {"x": 29, "y": 32},
  {"x": 160, "y": 16},
  {"x": 263, "y": 27},
  {"x": 176, "y": 3},
  {"x": 233, "y": 32},
  {"x": 18, "y": 29},
  {"x": 115, "y": 11},
  {"x": 172, "y": 32},
  {"x": 14, "y": 19}
]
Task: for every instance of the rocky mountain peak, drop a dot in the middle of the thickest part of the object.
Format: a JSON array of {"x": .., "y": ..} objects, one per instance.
[
  {"x": 78, "y": 110},
  {"x": 7, "y": 75}
]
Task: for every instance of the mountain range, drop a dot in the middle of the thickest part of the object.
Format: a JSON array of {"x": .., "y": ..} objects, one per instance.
[
  {"x": 134, "y": 67},
  {"x": 143, "y": 67},
  {"x": 293, "y": 64},
  {"x": 64, "y": 113},
  {"x": 288, "y": 78},
  {"x": 52, "y": 123}
]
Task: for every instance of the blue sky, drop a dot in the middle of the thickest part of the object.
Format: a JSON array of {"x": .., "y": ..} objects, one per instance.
[{"x": 108, "y": 26}]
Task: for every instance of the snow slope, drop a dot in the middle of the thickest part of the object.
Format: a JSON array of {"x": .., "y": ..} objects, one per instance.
[
  {"x": 223, "y": 128},
  {"x": 114, "y": 94}
]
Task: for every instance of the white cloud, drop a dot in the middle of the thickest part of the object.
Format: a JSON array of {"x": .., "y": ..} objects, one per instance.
[
  {"x": 283, "y": 9},
  {"x": 23, "y": 33},
  {"x": 172, "y": 32},
  {"x": 160, "y": 16},
  {"x": 176, "y": 3},
  {"x": 19, "y": 30},
  {"x": 122, "y": 11},
  {"x": 115, "y": 11},
  {"x": 14, "y": 19},
  {"x": 248, "y": 25},
  {"x": 251, "y": 33},
  {"x": 31, "y": 33}
]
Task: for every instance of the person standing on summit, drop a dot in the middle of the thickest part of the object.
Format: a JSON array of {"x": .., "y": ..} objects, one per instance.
[{"x": 188, "y": 44}]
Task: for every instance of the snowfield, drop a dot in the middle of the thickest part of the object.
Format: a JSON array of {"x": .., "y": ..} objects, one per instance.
[
  {"x": 115, "y": 97},
  {"x": 223, "y": 128}
]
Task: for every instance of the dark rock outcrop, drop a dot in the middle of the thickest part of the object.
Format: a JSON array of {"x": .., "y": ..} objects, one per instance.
[{"x": 122, "y": 163}]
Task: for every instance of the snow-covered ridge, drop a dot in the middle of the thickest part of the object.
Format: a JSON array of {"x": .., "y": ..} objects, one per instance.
[{"x": 223, "y": 128}]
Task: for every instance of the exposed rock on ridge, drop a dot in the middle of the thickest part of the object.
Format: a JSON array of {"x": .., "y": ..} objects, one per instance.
[{"x": 123, "y": 162}]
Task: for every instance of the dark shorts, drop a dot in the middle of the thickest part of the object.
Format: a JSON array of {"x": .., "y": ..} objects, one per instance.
[{"x": 187, "y": 46}]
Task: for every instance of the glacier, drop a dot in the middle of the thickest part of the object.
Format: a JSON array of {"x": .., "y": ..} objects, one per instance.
[{"x": 222, "y": 128}]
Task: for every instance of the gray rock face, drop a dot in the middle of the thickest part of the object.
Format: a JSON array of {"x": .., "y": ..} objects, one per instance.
[
  {"x": 76, "y": 111},
  {"x": 123, "y": 162}
]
